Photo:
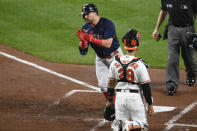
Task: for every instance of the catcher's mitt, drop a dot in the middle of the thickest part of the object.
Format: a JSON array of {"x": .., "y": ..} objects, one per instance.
[{"x": 109, "y": 113}]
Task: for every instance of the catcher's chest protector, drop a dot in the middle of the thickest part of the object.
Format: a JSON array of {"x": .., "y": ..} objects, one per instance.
[{"x": 124, "y": 66}]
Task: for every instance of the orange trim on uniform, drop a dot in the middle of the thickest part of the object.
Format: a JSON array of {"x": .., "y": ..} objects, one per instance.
[
  {"x": 136, "y": 58},
  {"x": 134, "y": 127},
  {"x": 145, "y": 82},
  {"x": 130, "y": 48}
]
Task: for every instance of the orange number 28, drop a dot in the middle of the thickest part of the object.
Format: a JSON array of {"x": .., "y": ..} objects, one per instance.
[{"x": 129, "y": 74}]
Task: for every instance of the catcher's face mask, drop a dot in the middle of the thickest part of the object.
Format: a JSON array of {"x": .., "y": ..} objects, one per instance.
[{"x": 131, "y": 40}]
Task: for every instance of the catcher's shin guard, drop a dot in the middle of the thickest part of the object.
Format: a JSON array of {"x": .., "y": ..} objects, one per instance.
[{"x": 132, "y": 126}]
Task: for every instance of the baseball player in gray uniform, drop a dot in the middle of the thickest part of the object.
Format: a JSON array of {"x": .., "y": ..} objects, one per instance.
[
  {"x": 99, "y": 33},
  {"x": 129, "y": 80}
]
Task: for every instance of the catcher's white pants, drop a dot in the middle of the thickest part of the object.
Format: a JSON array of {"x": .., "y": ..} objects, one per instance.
[{"x": 129, "y": 106}]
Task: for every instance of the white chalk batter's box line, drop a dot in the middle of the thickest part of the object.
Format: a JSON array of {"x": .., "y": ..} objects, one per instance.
[
  {"x": 169, "y": 124},
  {"x": 184, "y": 125},
  {"x": 94, "y": 89}
]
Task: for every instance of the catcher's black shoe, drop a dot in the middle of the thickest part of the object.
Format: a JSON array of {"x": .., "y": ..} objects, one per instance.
[
  {"x": 171, "y": 90},
  {"x": 191, "y": 80}
]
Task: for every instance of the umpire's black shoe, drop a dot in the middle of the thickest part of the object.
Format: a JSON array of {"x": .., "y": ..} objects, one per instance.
[
  {"x": 171, "y": 90},
  {"x": 191, "y": 80}
]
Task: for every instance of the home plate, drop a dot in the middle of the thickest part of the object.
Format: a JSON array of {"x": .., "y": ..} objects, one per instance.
[{"x": 163, "y": 108}]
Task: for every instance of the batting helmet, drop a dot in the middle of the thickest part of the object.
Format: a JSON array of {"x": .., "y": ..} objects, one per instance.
[
  {"x": 87, "y": 8},
  {"x": 131, "y": 39}
]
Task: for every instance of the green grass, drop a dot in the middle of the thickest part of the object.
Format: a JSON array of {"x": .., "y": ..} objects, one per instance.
[{"x": 47, "y": 28}]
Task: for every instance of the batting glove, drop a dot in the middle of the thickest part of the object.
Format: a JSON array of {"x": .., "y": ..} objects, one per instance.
[
  {"x": 91, "y": 39},
  {"x": 83, "y": 44},
  {"x": 80, "y": 35}
]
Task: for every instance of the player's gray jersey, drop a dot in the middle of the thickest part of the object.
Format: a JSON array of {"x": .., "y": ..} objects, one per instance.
[{"x": 136, "y": 72}]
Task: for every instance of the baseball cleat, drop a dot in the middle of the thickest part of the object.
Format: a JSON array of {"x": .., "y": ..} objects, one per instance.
[
  {"x": 171, "y": 90},
  {"x": 191, "y": 80}
]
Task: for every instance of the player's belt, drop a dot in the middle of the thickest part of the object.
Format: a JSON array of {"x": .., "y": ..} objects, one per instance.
[
  {"x": 184, "y": 25},
  {"x": 111, "y": 55},
  {"x": 127, "y": 90}
]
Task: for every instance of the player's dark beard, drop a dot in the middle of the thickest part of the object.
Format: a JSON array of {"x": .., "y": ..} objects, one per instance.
[{"x": 88, "y": 21}]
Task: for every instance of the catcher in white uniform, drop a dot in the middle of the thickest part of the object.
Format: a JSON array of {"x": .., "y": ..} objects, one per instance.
[{"x": 129, "y": 81}]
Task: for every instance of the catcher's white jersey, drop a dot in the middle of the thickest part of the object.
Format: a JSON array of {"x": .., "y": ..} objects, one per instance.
[
  {"x": 136, "y": 72},
  {"x": 128, "y": 105}
]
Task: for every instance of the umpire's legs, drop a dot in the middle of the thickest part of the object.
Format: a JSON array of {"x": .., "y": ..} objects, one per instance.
[
  {"x": 188, "y": 53},
  {"x": 172, "y": 73}
]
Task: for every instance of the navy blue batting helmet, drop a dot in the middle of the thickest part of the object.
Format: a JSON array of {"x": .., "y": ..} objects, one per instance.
[{"x": 87, "y": 8}]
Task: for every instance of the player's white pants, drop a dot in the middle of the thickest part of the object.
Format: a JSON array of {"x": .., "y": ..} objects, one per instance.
[
  {"x": 102, "y": 70},
  {"x": 129, "y": 106}
]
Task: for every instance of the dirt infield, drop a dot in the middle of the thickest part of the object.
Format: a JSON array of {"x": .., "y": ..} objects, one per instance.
[{"x": 33, "y": 98}]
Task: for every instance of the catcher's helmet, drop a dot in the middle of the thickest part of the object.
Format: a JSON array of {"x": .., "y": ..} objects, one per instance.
[
  {"x": 131, "y": 40},
  {"x": 87, "y": 8}
]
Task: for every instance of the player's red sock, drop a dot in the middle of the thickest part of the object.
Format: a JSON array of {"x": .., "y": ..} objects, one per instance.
[{"x": 106, "y": 95}]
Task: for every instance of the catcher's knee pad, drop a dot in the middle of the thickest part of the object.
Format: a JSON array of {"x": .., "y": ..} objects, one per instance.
[{"x": 133, "y": 126}]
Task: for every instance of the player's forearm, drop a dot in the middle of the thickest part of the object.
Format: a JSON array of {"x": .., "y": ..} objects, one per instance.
[
  {"x": 110, "y": 89},
  {"x": 101, "y": 42},
  {"x": 161, "y": 18},
  {"x": 107, "y": 43},
  {"x": 147, "y": 93}
]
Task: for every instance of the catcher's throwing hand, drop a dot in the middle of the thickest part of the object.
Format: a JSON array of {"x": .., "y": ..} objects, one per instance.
[
  {"x": 109, "y": 112},
  {"x": 150, "y": 110}
]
